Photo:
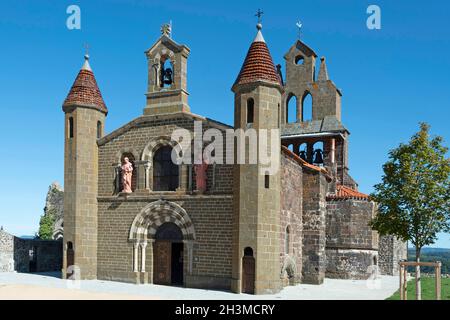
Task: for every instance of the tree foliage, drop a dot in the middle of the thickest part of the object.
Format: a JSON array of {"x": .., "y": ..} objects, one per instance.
[
  {"x": 414, "y": 195},
  {"x": 46, "y": 224}
]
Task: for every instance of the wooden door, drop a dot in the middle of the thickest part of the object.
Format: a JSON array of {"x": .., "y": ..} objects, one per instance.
[
  {"x": 70, "y": 263},
  {"x": 162, "y": 257},
  {"x": 248, "y": 274}
]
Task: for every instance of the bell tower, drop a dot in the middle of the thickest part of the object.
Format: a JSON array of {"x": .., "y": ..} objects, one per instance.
[
  {"x": 256, "y": 218},
  {"x": 321, "y": 140},
  {"x": 85, "y": 113},
  {"x": 167, "y": 75}
]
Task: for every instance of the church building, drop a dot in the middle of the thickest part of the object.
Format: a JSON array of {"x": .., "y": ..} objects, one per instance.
[{"x": 131, "y": 214}]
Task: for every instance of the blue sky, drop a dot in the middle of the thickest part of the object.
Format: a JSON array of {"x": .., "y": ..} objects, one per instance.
[{"x": 390, "y": 78}]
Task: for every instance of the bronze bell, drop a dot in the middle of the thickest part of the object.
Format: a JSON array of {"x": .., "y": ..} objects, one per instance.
[
  {"x": 302, "y": 155},
  {"x": 318, "y": 156}
]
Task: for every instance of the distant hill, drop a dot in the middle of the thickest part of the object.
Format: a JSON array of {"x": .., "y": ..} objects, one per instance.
[{"x": 432, "y": 255}]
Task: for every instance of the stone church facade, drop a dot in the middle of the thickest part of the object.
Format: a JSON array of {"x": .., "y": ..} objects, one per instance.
[{"x": 247, "y": 232}]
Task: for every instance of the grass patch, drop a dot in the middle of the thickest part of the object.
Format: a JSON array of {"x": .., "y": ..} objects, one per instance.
[{"x": 428, "y": 292}]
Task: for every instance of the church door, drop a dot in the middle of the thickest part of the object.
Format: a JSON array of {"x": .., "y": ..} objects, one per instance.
[
  {"x": 248, "y": 272},
  {"x": 168, "y": 255},
  {"x": 162, "y": 262}
]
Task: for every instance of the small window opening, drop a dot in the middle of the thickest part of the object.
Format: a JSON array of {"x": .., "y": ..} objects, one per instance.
[
  {"x": 70, "y": 127},
  {"x": 250, "y": 110}
]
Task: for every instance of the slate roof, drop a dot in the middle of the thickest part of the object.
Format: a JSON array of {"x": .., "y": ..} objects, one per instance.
[{"x": 328, "y": 124}]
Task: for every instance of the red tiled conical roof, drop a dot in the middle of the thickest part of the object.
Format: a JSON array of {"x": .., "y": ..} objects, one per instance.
[
  {"x": 258, "y": 64},
  {"x": 85, "y": 91}
]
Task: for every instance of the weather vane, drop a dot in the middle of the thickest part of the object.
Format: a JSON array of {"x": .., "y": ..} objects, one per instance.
[
  {"x": 86, "y": 48},
  {"x": 259, "y": 14},
  {"x": 299, "y": 26}
]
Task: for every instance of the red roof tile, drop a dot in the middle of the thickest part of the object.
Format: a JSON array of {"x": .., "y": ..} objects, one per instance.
[
  {"x": 258, "y": 65},
  {"x": 343, "y": 192},
  {"x": 85, "y": 92}
]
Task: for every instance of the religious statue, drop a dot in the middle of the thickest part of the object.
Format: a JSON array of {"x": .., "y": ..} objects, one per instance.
[
  {"x": 127, "y": 174},
  {"x": 200, "y": 176}
]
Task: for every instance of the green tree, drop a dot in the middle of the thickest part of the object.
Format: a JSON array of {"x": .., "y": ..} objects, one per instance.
[
  {"x": 46, "y": 226},
  {"x": 414, "y": 195}
]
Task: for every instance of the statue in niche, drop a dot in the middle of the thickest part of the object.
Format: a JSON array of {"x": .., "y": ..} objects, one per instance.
[
  {"x": 166, "y": 77},
  {"x": 200, "y": 175},
  {"x": 127, "y": 174}
]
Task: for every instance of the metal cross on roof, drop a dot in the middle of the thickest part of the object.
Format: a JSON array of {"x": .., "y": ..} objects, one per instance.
[
  {"x": 259, "y": 14},
  {"x": 299, "y": 26},
  {"x": 166, "y": 29}
]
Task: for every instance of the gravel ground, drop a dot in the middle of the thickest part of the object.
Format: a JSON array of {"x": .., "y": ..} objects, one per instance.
[{"x": 49, "y": 286}]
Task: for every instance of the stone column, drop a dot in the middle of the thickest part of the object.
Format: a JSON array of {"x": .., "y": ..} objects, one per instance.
[
  {"x": 143, "y": 246},
  {"x": 190, "y": 254},
  {"x": 135, "y": 256},
  {"x": 142, "y": 175},
  {"x": 116, "y": 177}
]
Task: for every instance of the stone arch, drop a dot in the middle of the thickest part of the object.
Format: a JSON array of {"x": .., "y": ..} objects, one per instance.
[
  {"x": 118, "y": 156},
  {"x": 153, "y": 215},
  {"x": 154, "y": 144}
]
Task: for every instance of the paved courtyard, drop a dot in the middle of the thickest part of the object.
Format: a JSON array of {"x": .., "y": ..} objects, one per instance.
[{"x": 49, "y": 286}]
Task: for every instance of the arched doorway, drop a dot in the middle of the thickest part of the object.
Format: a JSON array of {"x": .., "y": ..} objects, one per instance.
[
  {"x": 248, "y": 271},
  {"x": 70, "y": 259},
  {"x": 168, "y": 255}
]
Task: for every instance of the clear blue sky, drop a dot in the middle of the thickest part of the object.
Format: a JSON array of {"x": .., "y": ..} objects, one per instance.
[{"x": 390, "y": 78}]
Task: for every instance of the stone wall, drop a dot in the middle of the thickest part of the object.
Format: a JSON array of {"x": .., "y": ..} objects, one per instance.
[
  {"x": 29, "y": 255},
  {"x": 211, "y": 217},
  {"x": 313, "y": 217},
  {"x": 351, "y": 244},
  {"x": 6, "y": 251},
  {"x": 291, "y": 215},
  {"x": 391, "y": 251}
]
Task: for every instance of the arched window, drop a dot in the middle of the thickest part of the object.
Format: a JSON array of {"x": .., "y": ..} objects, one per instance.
[
  {"x": 99, "y": 130},
  {"x": 307, "y": 104},
  {"x": 303, "y": 151},
  {"x": 287, "y": 240},
  {"x": 318, "y": 154},
  {"x": 165, "y": 172},
  {"x": 248, "y": 252},
  {"x": 70, "y": 127},
  {"x": 250, "y": 110},
  {"x": 299, "y": 60},
  {"x": 291, "y": 147},
  {"x": 278, "y": 119},
  {"x": 291, "y": 109}
]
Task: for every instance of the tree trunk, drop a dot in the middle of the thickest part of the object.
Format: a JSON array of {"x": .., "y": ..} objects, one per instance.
[{"x": 418, "y": 286}]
